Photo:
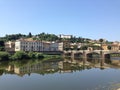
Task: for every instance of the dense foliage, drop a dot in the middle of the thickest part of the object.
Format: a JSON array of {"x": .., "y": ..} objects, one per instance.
[
  {"x": 23, "y": 55},
  {"x": 47, "y": 37},
  {"x": 13, "y": 37},
  {"x": 44, "y": 36},
  {"x": 79, "y": 40},
  {"x": 2, "y": 46},
  {"x": 35, "y": 55},
  {"x": 20, "y": 55},
  {"x": 4, "y": 56}
]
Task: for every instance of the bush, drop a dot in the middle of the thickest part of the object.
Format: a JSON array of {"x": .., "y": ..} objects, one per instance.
[
  {"x": 4, "y": 56},
  {"x": 109, "y": 47},
  {"x": 84, "y": 47},
  {"x": 20, "y": 55},
  {"x": 66, "y": 49},
  {"x": 2, "y": 49},
  {"x": 39, "y": 55},
  {"x": 31, "y": 55},
  {"x": 35, "y": 55}
]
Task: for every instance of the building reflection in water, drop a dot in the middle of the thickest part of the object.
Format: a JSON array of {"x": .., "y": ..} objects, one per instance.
[
  {"x": 40, "y": 68},
  {"x": 67, "y": 65}
]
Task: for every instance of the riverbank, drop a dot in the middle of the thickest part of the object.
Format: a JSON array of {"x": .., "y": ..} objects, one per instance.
[{"x": 20, "y": 55}]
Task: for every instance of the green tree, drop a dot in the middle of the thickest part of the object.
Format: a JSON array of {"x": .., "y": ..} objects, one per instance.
[
  {"x": 109, "y": 47},
  {"x": 39, "y": 55},
  {"x": 31, "y": 55},
  {"x": 2, "y": 45},
  {"x": 75, "y": 47},
  {"x": 84, "y": 47},
  {"x": 4, "y": 56},
  {"x": 13, "y": 37},
  {"x": 101, "y": 41},
  {"x": 29, "y": 35},
  {"x": 20, "y": 55},
  {"x": 47, "y": 37}
]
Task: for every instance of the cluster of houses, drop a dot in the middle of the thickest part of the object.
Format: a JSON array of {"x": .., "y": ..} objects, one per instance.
[{"x": 40, "y": 46}]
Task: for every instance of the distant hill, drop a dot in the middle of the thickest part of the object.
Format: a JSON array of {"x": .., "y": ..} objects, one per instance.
[{"x": 45, "y": 37}]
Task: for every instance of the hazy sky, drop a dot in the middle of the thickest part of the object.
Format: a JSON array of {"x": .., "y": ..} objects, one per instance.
[{"x": 86, "y": 18}]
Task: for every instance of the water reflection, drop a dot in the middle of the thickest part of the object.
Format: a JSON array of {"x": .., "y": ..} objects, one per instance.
[
  {"x": 82, "y": 74},
  {"x": 48, "y": 67}
]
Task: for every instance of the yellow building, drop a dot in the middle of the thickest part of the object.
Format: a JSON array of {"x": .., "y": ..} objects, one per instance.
[{"x": 104, "y": 46}]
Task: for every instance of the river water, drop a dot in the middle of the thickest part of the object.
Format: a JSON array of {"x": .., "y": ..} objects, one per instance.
[{"x": 58, "y": 75}]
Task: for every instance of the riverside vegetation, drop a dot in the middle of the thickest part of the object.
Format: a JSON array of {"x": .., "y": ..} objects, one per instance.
[{"x": 21, "y": 55}]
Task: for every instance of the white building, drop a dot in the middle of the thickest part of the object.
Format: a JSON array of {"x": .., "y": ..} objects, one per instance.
[
  {"x": 36, "y": 45},
  {"x": 65, "y": 36},
  {"x": 28, "y": 45}
]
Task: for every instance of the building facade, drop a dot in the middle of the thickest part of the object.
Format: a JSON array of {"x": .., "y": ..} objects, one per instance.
[
  {"x": 27, "y": 45},
  {"x": 36, "y": 45},
  {"x": 104, "y": 46},
  {"x": 10, "y": 46},
  {"x": 115, "y": 46}
]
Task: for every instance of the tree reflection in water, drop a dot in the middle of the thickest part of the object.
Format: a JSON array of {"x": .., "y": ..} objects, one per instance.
[{"x": 47, "y": 67}]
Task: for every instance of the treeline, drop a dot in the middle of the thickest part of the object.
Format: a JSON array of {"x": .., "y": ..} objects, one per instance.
[
  {"x": 12, "y": 37},
  {"x": 46, "y": 37},
  {"x": 79, "y": 40},
  {"x": 43, "y": 36},
  {"x": 2, "y": 45},
  {"x": 20, "y": 55}
]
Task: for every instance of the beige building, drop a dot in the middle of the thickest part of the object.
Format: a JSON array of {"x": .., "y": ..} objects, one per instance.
[
  {"x": 104, "y": 47},
  {"x": 115, "y": 47},
  {"x": 10, "y": 46},
  {"x": 60, "y": 46}
]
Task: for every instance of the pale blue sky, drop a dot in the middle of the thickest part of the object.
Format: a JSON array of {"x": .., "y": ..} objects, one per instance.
[{"x": 86, "y": 18}]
